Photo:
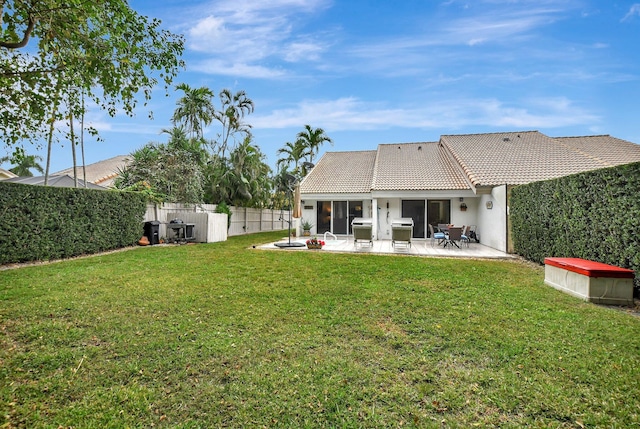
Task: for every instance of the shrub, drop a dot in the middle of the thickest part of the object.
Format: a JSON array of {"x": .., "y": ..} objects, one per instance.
[
  {"x": 49, "y": 223},
  {"x": 593, "y": 215},
  {"x": 224, "y": 208}
]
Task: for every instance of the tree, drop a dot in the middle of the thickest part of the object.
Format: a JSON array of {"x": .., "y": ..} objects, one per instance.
[
  {"x": 167, "y": 172},
  {"x": 52, "y": 51},
  {"x": 23, "y": 163},
  {"x": 243, "y": 178},
  {"x": 294, "y": 153},
  {"x": 233, "y": 108},
  {"x": 281, "y": 198},
  {"x": 312, "y": 139},
  {"x": 194, "y": 147},
  {"x": 195, "y": 109}
]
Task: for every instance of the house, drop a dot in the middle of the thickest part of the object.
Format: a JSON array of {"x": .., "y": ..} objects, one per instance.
[
  {"x": 6, "y": 174},
  {"x": 100, "y": 173},
  {"x": 59, "y": 180},
  {"x": 460, "y": 179}
]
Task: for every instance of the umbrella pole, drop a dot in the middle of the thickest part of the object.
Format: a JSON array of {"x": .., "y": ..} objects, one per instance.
[{"x": 290, "y": 219}]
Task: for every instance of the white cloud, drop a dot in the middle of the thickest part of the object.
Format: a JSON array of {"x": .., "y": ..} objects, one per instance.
[
  {"x": 633, "y": 11},
  {"x": 237, "y": 69},
  {"x": 353, "y": 114},
  {"x": 498, "y": 33},
  {"x": 303, "y": 51},
  {"x": 247, "y": 33}
]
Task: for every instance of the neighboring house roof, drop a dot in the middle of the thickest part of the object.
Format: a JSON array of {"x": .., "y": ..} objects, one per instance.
[
  {"x": 524, "y": 157},
  {"x": 415, "y": 166},
  {"x": 60, "y": 181},
  {"x": 469, "y": 161},
  {"x": 341, "y": 172},
  {"x": 609, "y": 150},
  {"x": 6, "y": 174},
  {"x": 102, "y": 172}
]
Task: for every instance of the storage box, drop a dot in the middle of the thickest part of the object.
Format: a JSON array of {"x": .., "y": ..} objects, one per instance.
[{"x": 592, "y": 281}]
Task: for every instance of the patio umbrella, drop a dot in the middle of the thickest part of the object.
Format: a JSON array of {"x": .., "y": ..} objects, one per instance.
[{"x": 297, "y": 210}]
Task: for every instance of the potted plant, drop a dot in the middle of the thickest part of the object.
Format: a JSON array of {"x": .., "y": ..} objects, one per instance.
[
  {"x": 314, "y": 243},
  {"x": 463, "y": 207},
  {"x": 306, "y": 227}
]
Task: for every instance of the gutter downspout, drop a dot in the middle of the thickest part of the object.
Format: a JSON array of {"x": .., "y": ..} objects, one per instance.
[{"x": 506, "y": 216}]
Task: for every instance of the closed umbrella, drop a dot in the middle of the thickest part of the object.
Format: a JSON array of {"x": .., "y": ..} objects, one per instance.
[{"x": 297, "y": 210}]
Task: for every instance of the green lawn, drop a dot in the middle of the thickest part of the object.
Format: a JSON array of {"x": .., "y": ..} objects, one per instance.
[{"x": 223, "y": 335}]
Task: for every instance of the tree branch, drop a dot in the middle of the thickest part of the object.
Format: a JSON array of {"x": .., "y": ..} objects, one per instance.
[{"x": 25, "y": 38}]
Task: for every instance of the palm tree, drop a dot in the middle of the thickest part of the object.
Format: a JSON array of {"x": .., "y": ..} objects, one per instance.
[
  {"x": 195, "y": 109},
  {"x": 195, "y": 148},
  {"x": 312, "y": 139},
  {"x": 24, "y": 164},
  {"x": 294, "y": 152},
  {"x": 233, "y": 108},
  {"x": 244, "y": 178}
]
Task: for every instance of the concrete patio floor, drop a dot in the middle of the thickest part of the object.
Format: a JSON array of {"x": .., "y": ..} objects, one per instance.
[{"x": 417, "y": 248}]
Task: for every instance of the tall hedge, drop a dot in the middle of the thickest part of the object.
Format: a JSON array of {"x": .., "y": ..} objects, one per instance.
[
  {"x": 593, "y": 215},
  {"x": 44, "y": 223}
]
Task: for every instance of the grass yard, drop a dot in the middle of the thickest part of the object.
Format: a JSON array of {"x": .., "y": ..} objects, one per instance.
[{"x": 222, "y": 335}]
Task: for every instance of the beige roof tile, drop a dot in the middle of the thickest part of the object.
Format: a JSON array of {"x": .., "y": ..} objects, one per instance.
[
  {"x": 415, "y": 166},
  {"x": 102, "y": 172},
  {"x": 611, "y": 151},
  {"x": 341, "y": 172},
  {"x": 457, "y": 161},
  {"x": 518, "y": 157}
]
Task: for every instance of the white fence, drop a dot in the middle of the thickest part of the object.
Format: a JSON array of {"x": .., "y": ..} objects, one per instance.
[
  {"x": 211, "y": 226},
  {"x": 246, "y": 220}
]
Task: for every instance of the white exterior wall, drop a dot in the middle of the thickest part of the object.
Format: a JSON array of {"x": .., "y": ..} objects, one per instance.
[
  {"x": 468, "y": 217},
  {"x": 308, "y": 215},
  {"x": 387, "y": 215},
  {"x": 491, "y": 227},
  {"x": 383, "y": 215}
]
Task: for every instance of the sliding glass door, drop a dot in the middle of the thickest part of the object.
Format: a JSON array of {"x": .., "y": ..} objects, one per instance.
[
  {"x": 439, "y": 211},
  {"x": 340, "y": 218},
  {"x": 336, "y": 216},
  {"x": 415, "y": 209}
]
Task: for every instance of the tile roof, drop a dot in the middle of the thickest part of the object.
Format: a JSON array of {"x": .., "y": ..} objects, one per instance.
[
  {"x": 6, "y": 174},
  {"x": 415, "y": 166},
  {"x": 55, "y": 180},
  {"x": 464, "y": 161},
  {"x": 102, "y": 172},
  {"x": 523, "y": 157},
  {"x": 341, "y": 172},
  {"x": 609, "y": 150}
]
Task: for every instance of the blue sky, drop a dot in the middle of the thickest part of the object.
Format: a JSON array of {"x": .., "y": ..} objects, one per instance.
[{"x": 372, "y": 72}]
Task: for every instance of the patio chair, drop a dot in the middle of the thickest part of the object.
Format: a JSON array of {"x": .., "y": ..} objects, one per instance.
[
  {"x": 401, "y": 231},
  {"x": 473, "y": 235},
  {"x": 440, "y": 236},
  {"x": 401, "y": 234},
  {"x": 362, "y": 234},
  {"x": 454, "y": 236},
  {"x": 465, "y": 235}
]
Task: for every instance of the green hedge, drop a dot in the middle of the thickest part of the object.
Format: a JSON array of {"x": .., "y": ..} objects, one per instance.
[
  {"x": 44, "y": 223},
  {"x": 593, "y": 215}
]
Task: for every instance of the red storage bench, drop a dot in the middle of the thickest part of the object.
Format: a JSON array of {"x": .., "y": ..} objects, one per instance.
[{"x": 592, "y": 281}]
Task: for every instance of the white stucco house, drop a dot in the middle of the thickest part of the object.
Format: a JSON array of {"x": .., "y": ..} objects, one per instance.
[{"x": 460, "y": 179}]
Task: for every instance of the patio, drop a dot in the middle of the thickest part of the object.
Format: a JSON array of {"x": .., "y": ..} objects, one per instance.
[{"x": 418, "y": 248}]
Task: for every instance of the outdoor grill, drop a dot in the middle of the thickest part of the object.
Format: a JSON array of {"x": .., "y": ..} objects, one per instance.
[{"x": 182, "y": 232}]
